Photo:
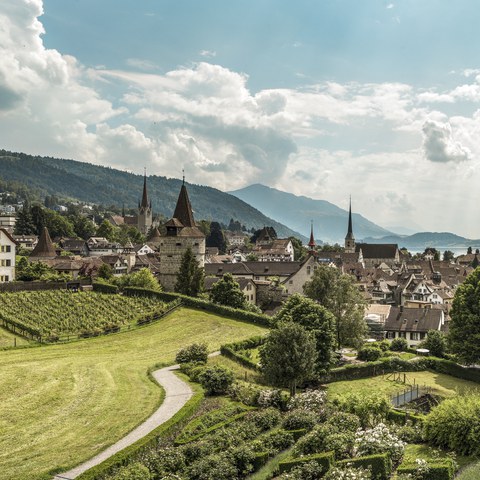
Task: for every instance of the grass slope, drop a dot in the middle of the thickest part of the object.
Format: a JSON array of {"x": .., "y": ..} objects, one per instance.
[
  {"x": 62, "y": 404},
  {"x": 7, "y": 339},
  {"x": 443, "y": 385}
]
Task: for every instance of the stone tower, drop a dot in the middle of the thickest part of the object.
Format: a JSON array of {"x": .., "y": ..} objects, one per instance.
[
  {"x": 182, "y": 232},
  {"x": 350, "y": 239},
  {"x": 144, "y": 218}
]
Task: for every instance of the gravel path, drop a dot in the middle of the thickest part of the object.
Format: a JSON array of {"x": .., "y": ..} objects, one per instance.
[{"x": 177, "y": 394}]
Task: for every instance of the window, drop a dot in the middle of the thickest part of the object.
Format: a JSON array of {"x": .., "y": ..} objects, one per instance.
[
  {"x": 4, "y": 278},
  {"x": 415, "y": 336},
  {"x": 6, "y": 263},
  {"x": 309, "y": 269},
  {"x": 402, "y": 334},
  {"x": 390, "y": 335},
  {"x": 178, "y": 244}
]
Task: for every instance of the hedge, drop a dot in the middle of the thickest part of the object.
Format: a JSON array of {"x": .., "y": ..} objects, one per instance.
[
  {"x": 260, "y": 460},
  {"x": 200, "y": 304},
  {"x": 297, "y": 433},
  {"x": 400, "y": 417},
  {"x": 379, "y": 464},
  {"x": 105, "y": 288},
  {"x": 231, "y": 351},
  {"x": 443, "y": 470},
  {"x": 197, "y": 436},
  {"x": 130, "y": 453},
  {"x": 325, "y": 460}
]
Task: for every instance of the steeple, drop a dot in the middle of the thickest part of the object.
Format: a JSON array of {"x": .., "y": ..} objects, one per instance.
[
  {"x": 350, "y": 239},
  {"x": 311, "y": 243},
  {"x": 145, "y": 203},
  {"x": 183, "y": 210}
]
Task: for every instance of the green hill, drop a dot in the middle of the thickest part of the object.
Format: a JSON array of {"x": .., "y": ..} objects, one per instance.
[{"x": 104, "y": 185}]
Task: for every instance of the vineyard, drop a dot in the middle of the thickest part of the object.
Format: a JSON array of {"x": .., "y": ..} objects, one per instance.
[{"x": 50, "y": 314}]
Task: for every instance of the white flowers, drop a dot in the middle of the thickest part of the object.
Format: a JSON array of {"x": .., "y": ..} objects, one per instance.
[
  {"x": 378, "y": 440},
  {"x": 310, "y": 400}
]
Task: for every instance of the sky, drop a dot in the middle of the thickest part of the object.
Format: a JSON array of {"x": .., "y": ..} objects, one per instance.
[{"x": 375, "y": 99}]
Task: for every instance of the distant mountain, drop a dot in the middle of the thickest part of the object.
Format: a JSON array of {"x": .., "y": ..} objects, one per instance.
[
  {"x": 103, "y": 185},
  {"x": 422, "y": 240},
  {"x": 330, "y": 221}
]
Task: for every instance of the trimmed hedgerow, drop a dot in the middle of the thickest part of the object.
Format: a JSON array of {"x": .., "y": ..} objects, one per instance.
[
  {"x": 379, "y": 464},
  {"x": 104, "y": 287},
  {"x": 232, "y": 351},
  {"x": 443, "y": 470},
  {"x": 325, "y": 460}
]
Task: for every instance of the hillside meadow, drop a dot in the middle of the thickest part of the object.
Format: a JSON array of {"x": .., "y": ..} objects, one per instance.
[{"x": 62, "y": 404}]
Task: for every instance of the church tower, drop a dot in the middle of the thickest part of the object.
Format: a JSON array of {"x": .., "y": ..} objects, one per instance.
[
  {"x": 311, "y": 243},
  {"x": 350, "y": 239},
  {"x": 144, "y": 218},
  {"x": 182, "y": 233}
]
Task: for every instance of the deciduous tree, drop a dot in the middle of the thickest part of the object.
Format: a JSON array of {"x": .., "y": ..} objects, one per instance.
[
  {"x": 227, "y": 292},
  {"x": 288, "y": 355},
  {"x": 338, "y": 293}
]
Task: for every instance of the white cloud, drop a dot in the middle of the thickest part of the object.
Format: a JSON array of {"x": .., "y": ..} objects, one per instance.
[
  {"x": 208, "y": 53},
  {"x": 439, "y": 144},
  {"x": 141, "y": 64}
]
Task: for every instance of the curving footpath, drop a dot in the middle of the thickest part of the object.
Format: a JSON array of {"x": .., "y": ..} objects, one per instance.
[{"x": 177, "y": 394}]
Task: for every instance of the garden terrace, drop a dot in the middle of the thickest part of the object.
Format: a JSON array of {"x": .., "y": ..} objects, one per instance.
[{"x": 68, "y": 402}]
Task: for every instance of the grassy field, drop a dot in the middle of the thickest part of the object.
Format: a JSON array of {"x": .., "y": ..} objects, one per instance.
[
  {"x": 443, "y": 385},
  {"x": 62, "y": 404},
  {"x": 414, "y": 451},
  {"x": 7, "y": 339}
]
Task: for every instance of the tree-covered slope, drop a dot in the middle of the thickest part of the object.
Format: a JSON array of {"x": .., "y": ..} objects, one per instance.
[{"x": 103, "y": 185}]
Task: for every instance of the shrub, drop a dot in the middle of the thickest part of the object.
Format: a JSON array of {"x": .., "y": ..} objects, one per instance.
[
  {"x": 399, "y": 344},
  {"x": 341, "y": 443},
  {"x": 310, "y": 400},
  {"x": 379, "y": 439},
  {"x": 216, "y": 380},
  {"x": 410, "y": 433},
  {"x": 310, "y": 470},
  {"x": 166, "y": 460},
  {"x": 196, "y": 352},
  {"x": 245, "y": 392},
  {"x": 276, "y": 441},
  {"x": 314, "y": 441},
  {"x": 265, "y": 419},
  {"x": 243, "y": 459},
  {"x": 379, "y": 465},
  {"x": 299, "y": 419},
  {"x": 347, "y": 472},
  {"x": 455, "y": 425},
  {"x": 271, "y": 398},
  {"x": 324, "y": 460},
  {"x": 135, "y": 471},
  {"x": 384, "y": 345},
  {"x": 369, "y": 353},
  {"x": 344, "y": 422},
  {"x": 370, "y": 409},
  {"x": 213, "y": 467}
]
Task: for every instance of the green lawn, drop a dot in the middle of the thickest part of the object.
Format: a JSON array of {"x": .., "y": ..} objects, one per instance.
[
  {"x": 443, "y": 385},
  {"x": 414, "y": 451},
  {"x": 472, "y": 472},
  {"x": 62, "y": 404},
  {"x": 7, "y": 339}
]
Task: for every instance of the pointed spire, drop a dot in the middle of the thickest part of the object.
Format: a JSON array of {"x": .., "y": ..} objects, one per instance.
[
  {"x": 183, "y": 176},
  {"x": 45, "y": 247},
  {"x": 183, "y": 209},
  {"x": 123, "y": 209},
  {"x": 311, "y": 243},
  {"x": 144, "y": 203},
  {"x": 350, "y": 229}
]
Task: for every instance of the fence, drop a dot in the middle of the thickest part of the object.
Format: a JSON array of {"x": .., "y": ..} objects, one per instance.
[{"x": 412, "y": 392}]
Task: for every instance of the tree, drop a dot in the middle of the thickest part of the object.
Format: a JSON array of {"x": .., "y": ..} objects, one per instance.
[
  {"x": 448, "y": 256},
  {"x": 464, "y": 327},
  {"x": 83, "y": 226},
  {"x": 227, "y": 292},
  {"x": 24, "y": 224},
  {"x": 338, "y": 293},
  {"x": 190, "y": 276},
  {"x": 106, "y": 230},
  {"x": 299, "y": 251},
  {"x": 105, "y": 271},
  {"x": 436, "y": 342},
  {"x": 288, "y": 356},
  {"x": 469, "y": 250},
  {"x": 144, "y": 278},
  {"x": 216, "y": 237},
  {"x": 314, "y": 318}
]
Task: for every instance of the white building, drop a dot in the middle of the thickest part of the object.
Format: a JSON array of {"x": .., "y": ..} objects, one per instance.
[{"x": 7, "y": 256}]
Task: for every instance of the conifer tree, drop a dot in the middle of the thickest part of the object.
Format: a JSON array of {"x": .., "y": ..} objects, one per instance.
[{"x": 190, "y": 276}]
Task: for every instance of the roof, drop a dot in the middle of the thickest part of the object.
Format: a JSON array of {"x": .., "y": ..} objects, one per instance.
[
  {"x": 183, "y": 209},
  {"x": 44, "y": 247},
  {"x": 413, "y": 319},
  {"x": 144, "y": 203},
  {"x": 238, "y": 268},
  {"x": 377, "y": 250},
  {"x": 273, "y": 268},
  {"x": 10, "y": 237}
]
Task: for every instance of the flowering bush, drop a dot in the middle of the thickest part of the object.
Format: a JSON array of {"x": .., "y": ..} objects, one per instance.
[
  {"x": 270, "y": 398},
  {"x": 311, "y": 400},
  {"x": 299, "y": 419},
  {"x": 378, "y": 440},
  {"x": 307, "y": 471},
  {"x": 348, "y": 473},
  {"x": 266, "y": 418}
]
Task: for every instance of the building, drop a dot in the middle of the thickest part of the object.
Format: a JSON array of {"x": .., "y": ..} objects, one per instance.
[
  {"x": 349, "y": 238},
  {"x": 7, "y": 256},
  {"x": 44, "y": 249},
  {"x": 413, "y": 324},
  {"x": 8, "y": 221},
  {"x": 181, "y": 233}
]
